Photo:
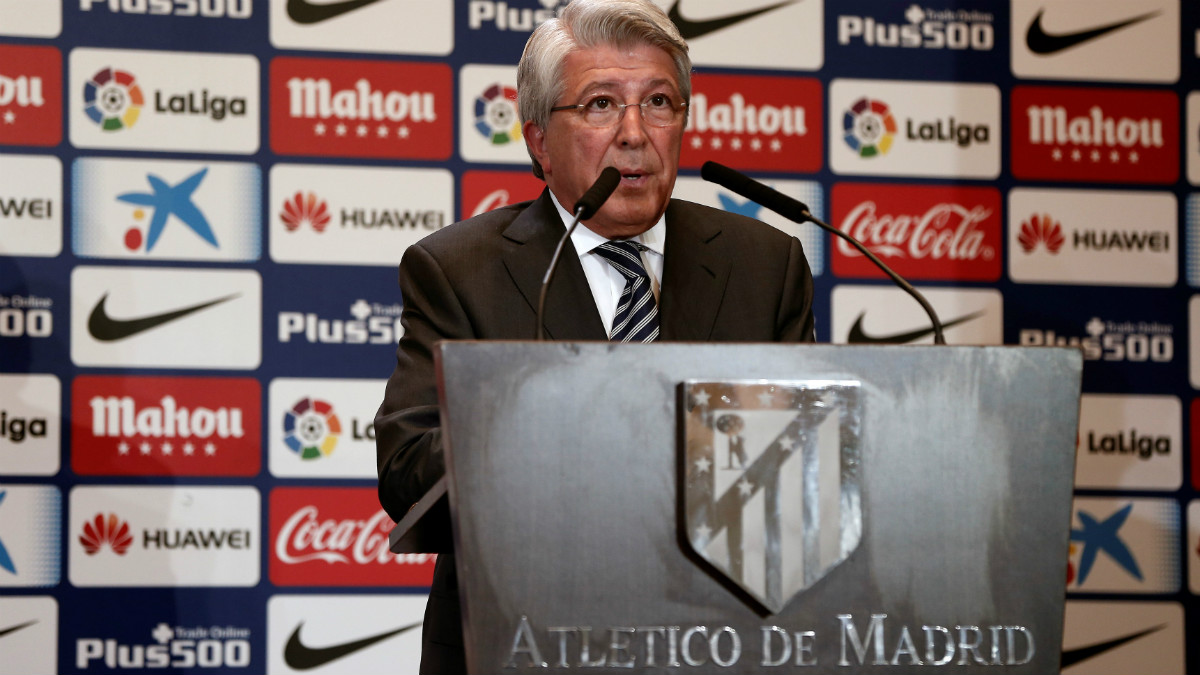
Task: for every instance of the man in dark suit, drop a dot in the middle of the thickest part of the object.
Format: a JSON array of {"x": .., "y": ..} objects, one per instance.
[{"x": 605, "y": 84}]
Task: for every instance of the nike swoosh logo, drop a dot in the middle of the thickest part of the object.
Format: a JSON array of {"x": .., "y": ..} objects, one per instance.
[
  {"x": 1041, "y": 42},
  {"x": 107, "y": 329},
  {"x": 857, "y": 336},
  {"x": 13, "y": 629},
  {"x": 305, "y": 12},
  {"x": 691, "y": 30},
  {"x": 300, "y": 657},
  {"x": 1072, "y": 656}
]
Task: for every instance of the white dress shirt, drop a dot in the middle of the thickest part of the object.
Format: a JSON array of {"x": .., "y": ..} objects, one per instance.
[{"x": 606, "y": 283}]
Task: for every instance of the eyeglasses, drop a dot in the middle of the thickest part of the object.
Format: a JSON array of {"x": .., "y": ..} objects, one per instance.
[{"x": 602, "y": 111}]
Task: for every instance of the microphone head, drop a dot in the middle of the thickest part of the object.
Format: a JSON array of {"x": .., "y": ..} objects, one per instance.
[
  {"x": 720, "y": 174},
  {"x": 601, "y": 190},
  {"x": 739, "y": 183}
]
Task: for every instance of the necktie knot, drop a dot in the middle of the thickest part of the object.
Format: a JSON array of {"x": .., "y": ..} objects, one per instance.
[
  {"x": 636, "y": 319},
  {"x": 624, "y": 256}
]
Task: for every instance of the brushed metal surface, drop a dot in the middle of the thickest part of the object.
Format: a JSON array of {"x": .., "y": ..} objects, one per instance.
[{"x": 565, "y": 488}]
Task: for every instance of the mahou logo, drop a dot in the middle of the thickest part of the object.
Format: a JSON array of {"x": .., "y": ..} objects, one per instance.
[
  {"x": 763, "y": 123},
  {"x": 337, "y": 537},
  {"x": 1104, "y": 135},
  {"x": 483, "y": 191},
  {"x": 106, "y": 530},
  {"x": 30, "y": 95},
  {"x": 936, "y": 232},
  {"x": 1040, "y": 229},
  {"x": 332, "y": 107},
  {"x": 165, "y": 426}
]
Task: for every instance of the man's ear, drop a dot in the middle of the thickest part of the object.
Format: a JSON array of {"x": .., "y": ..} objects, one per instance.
[{"x": 535, "y": 140}]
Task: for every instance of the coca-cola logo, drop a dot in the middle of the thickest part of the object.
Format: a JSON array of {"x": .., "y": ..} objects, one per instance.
[
  {"x": 483, "y": 191},
  {"x": 338, "y": 537},
  {"x": 943, "y": 231},
  {"x": 923, "y": 232},
  {"x": 306, "y": 536}
]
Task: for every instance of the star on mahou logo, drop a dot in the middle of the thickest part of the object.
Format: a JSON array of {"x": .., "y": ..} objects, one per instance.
[
  {"x": 1040, "y": 229},
  {"x": 106, "y": 530}
]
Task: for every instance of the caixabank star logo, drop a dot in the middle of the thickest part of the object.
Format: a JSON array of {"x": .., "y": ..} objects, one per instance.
[
  {"x": 166, "y": 209},
  {"x": 30, "y": 547},
  {"x": 1124, "y": 546}
]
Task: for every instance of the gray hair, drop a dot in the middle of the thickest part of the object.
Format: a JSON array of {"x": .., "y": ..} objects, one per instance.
[{"x": 584, "y": 24}]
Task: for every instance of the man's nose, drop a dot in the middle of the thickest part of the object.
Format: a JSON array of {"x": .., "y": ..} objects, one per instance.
[{"x": 631, "y": 130}]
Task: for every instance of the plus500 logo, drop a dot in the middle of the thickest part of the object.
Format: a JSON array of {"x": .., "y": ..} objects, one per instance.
[
  {"x": 234, "y": 9},
  {"x": 1111, "y": 341},
  {"x": 25, "y": 317}
]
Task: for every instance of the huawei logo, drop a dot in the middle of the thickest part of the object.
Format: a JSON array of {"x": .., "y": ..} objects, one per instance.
[
  {"x": 305, "y": 207},
  {"x": 103, "y": 530},
  {"x": 1040, "y": 228}
]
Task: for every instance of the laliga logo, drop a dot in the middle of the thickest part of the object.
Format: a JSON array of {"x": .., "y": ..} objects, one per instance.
[
  {"x": 1040, "y": 228},
  {"x": 869, "y": 127},
  {"x": 496, "y": 116},
  {"x": 311, "y": 428},
  {"x": 113, "y": 99}
]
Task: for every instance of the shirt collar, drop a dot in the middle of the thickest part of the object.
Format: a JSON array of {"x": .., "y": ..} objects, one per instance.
[{"x": 585, "y": 239}]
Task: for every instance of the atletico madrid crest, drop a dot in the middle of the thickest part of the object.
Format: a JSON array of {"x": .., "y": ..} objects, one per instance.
[{"x": 772, "y": 481}]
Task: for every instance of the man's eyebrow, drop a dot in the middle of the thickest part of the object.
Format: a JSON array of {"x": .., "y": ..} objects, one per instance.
[{"x": 612, "y": 84}]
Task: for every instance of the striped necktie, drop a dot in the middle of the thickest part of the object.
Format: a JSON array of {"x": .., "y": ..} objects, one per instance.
[{"x": 636, "y": 319}]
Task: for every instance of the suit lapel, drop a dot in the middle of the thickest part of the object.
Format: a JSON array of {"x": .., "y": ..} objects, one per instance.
[
  {"x": 571, "y": 312},
  {"x": 695, "y": 272}
]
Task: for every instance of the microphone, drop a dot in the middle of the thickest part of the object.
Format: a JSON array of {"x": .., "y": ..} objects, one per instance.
[
  {"x": 797, "y": 211},
  {"x": 585, "y": 208},
  {"x": 594, "y": 198}
]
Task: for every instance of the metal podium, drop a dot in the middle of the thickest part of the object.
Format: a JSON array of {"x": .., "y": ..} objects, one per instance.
[{"x": 718, "y": 508}]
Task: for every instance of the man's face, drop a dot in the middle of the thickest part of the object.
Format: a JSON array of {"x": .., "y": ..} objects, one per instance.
[{"x": 572, "y": 153}]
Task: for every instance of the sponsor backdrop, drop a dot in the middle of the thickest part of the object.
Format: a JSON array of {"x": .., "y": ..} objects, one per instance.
[{"x": 202, "y": 203}]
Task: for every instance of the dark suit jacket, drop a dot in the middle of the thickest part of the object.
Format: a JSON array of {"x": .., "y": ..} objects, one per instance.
[{"x": 726, "y": 278}]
